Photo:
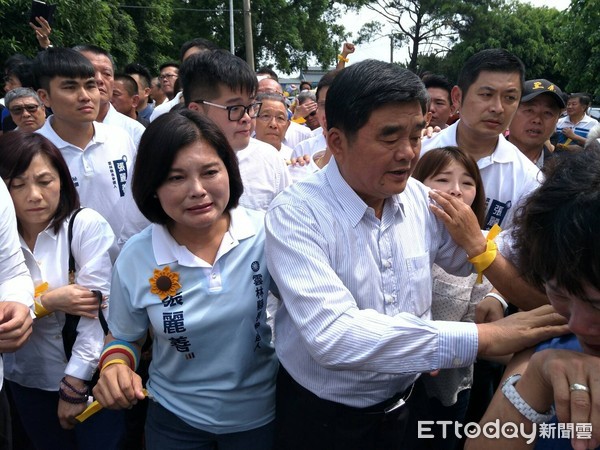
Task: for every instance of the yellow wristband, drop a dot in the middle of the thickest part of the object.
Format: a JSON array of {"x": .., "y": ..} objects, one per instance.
[
  {"x": 343, "y": 58},
  {"x": 485, "y": 259},
  {"x": 40, "y": 311},
  {"x": 113, "y": 361}
]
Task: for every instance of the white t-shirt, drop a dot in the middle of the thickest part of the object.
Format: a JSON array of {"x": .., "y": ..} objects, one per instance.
[
  {"x": 133, "y": 128},
  {"x": 264, "y": 174}
]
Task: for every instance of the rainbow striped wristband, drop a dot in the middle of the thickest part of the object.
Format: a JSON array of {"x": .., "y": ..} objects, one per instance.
[{"x": 123, "y": 348}]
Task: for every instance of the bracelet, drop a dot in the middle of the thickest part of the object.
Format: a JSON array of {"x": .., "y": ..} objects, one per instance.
[
  {"x": 511, "y": 394},
  {"x": 485, "y": 259},
  {"x": 343, "y": 58},
  {"x": 121, "y": 347},
  {"x": 73, "y": 400},
  {"x": 113, "y": 361},
  {"x": 499, "y": 298},
  {"x": 39, "y": 310},
  {"x": 73, "y": 388}
]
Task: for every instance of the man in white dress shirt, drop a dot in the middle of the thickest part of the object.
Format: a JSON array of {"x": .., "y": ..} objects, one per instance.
[{"x": 351, "y": 249}]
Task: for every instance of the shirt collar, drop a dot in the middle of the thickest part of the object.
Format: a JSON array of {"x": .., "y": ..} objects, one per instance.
[
  {"x": 99, "y": 137},
  {"x": 167, "y": 250},
  {"x": 353, "y": 206}
]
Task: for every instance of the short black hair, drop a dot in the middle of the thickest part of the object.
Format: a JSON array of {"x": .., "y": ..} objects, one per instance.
[
  {"x": 583, "y": 97},
  {"x": 20, "y": 66},
  {"x": 159, "y": 145},
  {"x": 201, "y": 43},
  {"x": 362, "y": 88},
  {"x": 326, "y": 80},
  {"x": 202, "y": 75},
  {"x": 168, "y": 64},
  {"x": 142, "y": 71},
  {"x": 490, "y": 60},
  {"x": 95, "y": 50},
  {"x": 433, "y": 80},
  {"x": 128, "y": 83},
  {"x": 60, "y": 62},
  {"x": 556, "y": 230},
  {"x": 18, "y": 148},
  {"x": 266, "y": 70}
]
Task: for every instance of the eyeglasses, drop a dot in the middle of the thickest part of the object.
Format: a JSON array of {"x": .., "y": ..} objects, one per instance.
[
  {"x": 167, "y": 75},
  {"x": 18, "y": 110},
  {"x": 236, "y": 112},
  {"x": 281, "y": 120}
]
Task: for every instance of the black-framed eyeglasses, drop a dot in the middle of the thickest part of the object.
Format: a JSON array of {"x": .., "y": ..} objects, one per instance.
[
  {"x": 236, "y": 112},
  {"x": 18, "y": 110},
  {"x": 165, "y": 76}
]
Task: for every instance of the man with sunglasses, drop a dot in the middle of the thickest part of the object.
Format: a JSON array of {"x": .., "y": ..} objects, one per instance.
[
  {"x": 223, "y": 87},
  {"x": 26, "y": 109}
]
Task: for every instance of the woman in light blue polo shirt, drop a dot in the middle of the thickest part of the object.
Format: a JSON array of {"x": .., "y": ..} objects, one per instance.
[{"x": 197, "y": 278}]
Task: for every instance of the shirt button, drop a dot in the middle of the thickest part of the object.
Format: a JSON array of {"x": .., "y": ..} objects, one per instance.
[
  {"x": 388, "y": 299},
  {"x": 214, "y": 275},
  {"x": 387, "y": 263}
]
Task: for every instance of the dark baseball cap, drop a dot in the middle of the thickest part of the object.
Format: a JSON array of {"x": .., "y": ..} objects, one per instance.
[{"x": 533, "y": 88}]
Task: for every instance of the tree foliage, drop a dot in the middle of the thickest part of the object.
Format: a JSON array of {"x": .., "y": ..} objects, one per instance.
[
  {"x": 580, "y": 47},
  {"x": 287, "y": 33}
]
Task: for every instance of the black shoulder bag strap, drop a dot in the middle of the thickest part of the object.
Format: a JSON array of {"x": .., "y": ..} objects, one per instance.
[{"x": 69, "y": 331}]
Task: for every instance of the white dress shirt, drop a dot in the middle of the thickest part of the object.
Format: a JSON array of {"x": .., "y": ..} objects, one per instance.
[
  {"x": 354, "y": 323},
  {"x": 41, "y": 362},
  {"x": 15, "y": 281}
]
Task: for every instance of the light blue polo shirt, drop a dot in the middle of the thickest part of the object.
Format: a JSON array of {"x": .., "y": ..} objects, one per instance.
[{"x": 213, "y": 364}]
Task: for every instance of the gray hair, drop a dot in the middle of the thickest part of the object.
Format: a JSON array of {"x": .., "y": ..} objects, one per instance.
[
  {"x": 20, "y": 92},
  {"x": 268, "y": 96},
  {"x": 305, "y": 96}
]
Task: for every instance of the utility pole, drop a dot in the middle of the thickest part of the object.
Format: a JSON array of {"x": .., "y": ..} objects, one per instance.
[
  {"x": 391, "y": 48},
  {"x": 248, "y": 33},
  {"x": 231, "y": 40}
]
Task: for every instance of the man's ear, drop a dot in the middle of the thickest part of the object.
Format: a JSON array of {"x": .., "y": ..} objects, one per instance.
[
  {"x": 135, "y": 100},
  {"x": 457, "y": 96},
  {"x": 44, "y": 97},
  {"x": 337, "y": 143},
  {"x": 195, "y": 107}
]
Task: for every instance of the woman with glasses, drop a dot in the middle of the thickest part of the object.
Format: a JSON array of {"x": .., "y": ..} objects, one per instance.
[
  {"x": 197, "y": 278},
  {"x": 26, "y": 109}
]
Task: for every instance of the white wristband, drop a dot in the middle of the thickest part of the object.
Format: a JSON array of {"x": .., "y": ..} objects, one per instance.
[{"x": 499, "y": 298}]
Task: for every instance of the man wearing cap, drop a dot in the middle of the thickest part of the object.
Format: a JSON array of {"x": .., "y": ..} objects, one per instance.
[{"x": 535, "y": 119}]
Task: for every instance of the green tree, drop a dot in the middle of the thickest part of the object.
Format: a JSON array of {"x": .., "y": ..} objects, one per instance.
[
  {"x": 529, "y": 32},
  {"x": 424, "y": 25},
  {"x": 579, "y": 49},
  {"x": 75, "y": 21},
  {"x": 286, "y": 33}
]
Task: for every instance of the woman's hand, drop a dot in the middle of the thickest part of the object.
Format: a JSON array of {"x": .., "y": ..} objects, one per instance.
[
  {"x": 119, "y": 387},
  {"x": 488, "y": 310},
  {"x": 460, "y": 221},
  {"x": 72, "y": 299},
  {"x": 68, "y": 411},
  {"x": 303, "y": 110}
]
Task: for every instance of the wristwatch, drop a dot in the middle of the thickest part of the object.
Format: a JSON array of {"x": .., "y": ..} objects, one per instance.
[{"x": 511, "y": 394}]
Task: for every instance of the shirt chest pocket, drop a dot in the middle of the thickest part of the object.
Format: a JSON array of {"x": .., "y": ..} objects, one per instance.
[
  {"x": 450, "y": 301},
  {"x": 418, "y": 286}
]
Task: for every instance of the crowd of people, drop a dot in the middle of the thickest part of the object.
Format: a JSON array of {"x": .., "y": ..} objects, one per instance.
[{"x": 221, "y": 269}]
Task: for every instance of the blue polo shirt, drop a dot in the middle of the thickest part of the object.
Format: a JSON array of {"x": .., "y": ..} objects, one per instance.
[{"x": 213, "y": 363}]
